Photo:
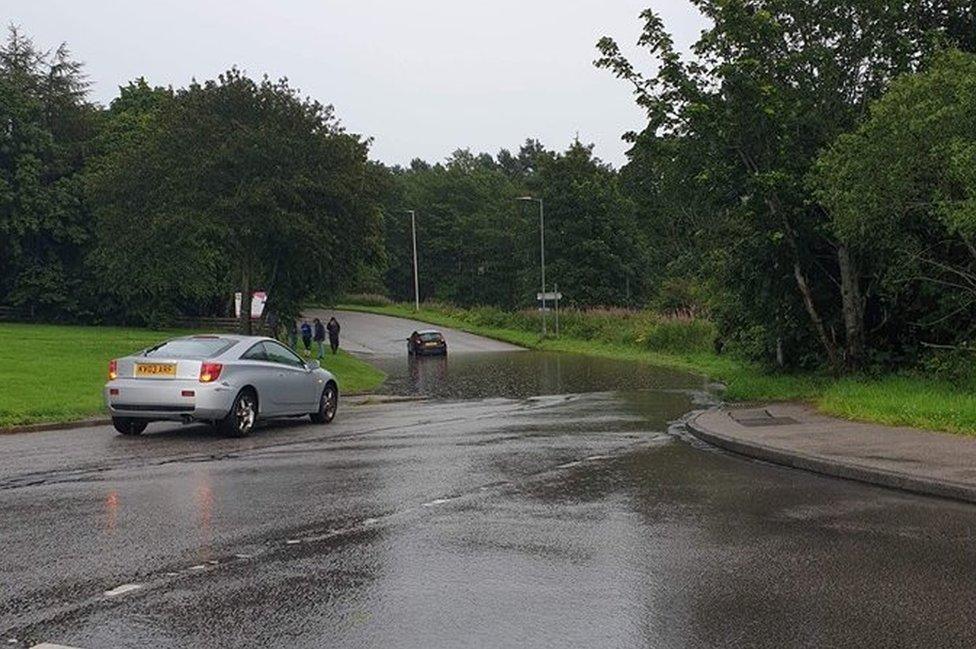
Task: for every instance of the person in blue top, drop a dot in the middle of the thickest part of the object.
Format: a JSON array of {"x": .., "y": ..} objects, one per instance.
[{"x": 307, "y": 337}]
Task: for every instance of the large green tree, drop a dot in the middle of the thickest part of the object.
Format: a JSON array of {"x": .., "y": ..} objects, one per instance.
[
  {"x": 232, "y": 184},
  {"x": 467, "y": 231},
  {"x": 595, "y": 254},
  {"x": 45, "y": 129},
  {"x": 768, "y": 85},
  {"x": 901, "y": 192}
]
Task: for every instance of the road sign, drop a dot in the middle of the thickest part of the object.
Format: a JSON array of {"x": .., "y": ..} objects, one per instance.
[
  {"x": 258, "y": 298},
  {"x": 548, "y": 297}
]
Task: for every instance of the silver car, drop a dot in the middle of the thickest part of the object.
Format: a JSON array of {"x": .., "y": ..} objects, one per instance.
[{"x": 226, "y": 380}]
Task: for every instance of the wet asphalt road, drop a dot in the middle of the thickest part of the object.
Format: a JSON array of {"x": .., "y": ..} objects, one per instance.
[
  {"x": 535, "y": 500},
  {"x": 369, "y": 334}
]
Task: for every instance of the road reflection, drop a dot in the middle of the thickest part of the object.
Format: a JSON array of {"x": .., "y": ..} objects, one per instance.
[{"x": 525, "y": 374}]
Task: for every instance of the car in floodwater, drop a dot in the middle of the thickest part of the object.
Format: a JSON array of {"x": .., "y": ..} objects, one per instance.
[
  {"x": 226, "y": 380},
  {"x": 426, "y": 343}
]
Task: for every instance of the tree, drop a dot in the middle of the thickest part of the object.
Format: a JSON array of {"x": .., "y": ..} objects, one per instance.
[
  {"x": 901, "y": 191},
  {"x": 233, "y": 184},
  {"x": 769, "y": 85},
  {"x": 45, "y": 127},
  {"x": 594, "y": 250},
  {"x": 465, "y": 229}
]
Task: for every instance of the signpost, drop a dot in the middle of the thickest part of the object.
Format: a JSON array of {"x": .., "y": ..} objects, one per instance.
[
  {"x": 258, "y": 298},
  {"x": 551, "y": 296}
]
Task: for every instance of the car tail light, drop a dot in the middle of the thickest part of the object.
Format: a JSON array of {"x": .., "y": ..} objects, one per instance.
[
  {"x": 210, "y": 372},
  {"x": 113, "y": 370},
  {"x": 113, "y": 392},
  {"x": 188, "y": 393}
]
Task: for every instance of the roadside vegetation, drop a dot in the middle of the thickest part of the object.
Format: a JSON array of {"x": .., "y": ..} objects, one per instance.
[
  {"x": 920, "y": 399},
  {"x": 53, "y": 373}
]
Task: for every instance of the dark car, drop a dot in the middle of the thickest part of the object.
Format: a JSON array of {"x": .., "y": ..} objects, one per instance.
[{"x": 426, "y": 343}]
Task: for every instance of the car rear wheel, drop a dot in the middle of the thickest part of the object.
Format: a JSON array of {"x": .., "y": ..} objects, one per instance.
[
  {"x": 128, "y": 426},
  {"x": 240, "y": 421},
  {"x": 328, "y": 404}
]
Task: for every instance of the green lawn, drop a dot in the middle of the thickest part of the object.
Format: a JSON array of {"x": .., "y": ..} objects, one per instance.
[
  {"x": 55, "y": 373},
  {"x": 909, "y": 400}
]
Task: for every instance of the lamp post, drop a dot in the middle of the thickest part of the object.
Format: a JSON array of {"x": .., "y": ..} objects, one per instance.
[
  {"x": 416, "y": 281},
  {"x": 542, "y": 252}
]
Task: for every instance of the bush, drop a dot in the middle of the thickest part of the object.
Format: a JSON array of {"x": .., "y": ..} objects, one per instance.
[
  {"x": 952, "y": 365},
  {"x": 367, "y": 299},
  {"x": 680, "y": 335}
]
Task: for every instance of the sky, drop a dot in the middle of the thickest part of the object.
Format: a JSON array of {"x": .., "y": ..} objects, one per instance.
[{"x": 421, "y": 77}]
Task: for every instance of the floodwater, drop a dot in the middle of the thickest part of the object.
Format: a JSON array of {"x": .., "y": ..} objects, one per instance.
[
  {"x": 531, "y": 500},
  {"x": 517, "y": 375}
]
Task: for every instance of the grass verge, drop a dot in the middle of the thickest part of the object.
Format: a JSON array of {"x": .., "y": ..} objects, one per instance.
[
  {"x": 902, "y": 400},
  {"x": 53, "y": 373}
]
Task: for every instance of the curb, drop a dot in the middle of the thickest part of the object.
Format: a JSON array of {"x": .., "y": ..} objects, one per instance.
[
  {"x": 834, "y": 468},
  {"x": 57, "y": 425}
]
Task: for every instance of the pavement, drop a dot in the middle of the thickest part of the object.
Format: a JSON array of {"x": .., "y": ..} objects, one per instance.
[
  {"x": 795, "y": 435},
  {"x": 371, "y": 334}
]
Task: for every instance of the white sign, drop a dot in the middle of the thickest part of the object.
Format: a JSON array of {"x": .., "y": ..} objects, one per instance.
[
  {"x": 258, "y": 299},
  {"x": 548, "y": 297}
]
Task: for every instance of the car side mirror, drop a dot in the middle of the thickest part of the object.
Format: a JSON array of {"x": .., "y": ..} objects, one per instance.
[{"x": 312, "y": 365}]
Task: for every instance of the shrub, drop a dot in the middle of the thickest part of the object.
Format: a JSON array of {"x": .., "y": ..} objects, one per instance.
[{"x": 367, "y": 299}]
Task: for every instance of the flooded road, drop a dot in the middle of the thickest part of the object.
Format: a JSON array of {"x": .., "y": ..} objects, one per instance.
[{"x": 531, "y": 500}]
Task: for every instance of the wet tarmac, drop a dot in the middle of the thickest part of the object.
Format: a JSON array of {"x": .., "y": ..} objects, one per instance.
[{"x": 533, "y": 500}]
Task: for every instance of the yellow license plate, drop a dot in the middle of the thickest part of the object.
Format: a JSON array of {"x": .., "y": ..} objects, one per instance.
[
  {"x": 432, "y": 344},
  {"x": 156, "y": 370}
]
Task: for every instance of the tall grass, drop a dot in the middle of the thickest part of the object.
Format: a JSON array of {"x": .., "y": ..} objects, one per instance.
[{"x": 643, "y": 329}]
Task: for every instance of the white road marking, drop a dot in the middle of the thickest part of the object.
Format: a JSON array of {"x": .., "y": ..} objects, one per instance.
[
  {"x": 48, "y": 645},
  {"x": 293, "y": 541},
  {"x": 201, "y": 566},
  {"x": 122, "y": 590},
  {"x": 439, "y": 501},
  {"x": 568, "y": 465},
  {"x": 243, "y": 556}
]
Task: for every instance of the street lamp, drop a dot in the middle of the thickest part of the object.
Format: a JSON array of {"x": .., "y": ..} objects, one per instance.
[
  {"x": 542, "y": 253},
  {"x": 416, "y": 281}
]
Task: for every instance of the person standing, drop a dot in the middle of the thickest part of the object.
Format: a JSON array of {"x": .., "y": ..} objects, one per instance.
[
  {"x": 333, "y": 328},
  {"x": 319, "y": 336},
  {"x": 307, "y": 337}
]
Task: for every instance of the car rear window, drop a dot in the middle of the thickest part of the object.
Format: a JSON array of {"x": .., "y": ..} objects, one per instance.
[
  {"x": 431, "y": 337},
  {"x": 190, "y": 348}
]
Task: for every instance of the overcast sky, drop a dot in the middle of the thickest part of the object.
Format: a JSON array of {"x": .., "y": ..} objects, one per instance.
[{"x": 422, "y": 77}]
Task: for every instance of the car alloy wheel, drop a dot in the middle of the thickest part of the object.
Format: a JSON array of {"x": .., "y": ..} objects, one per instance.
[
  {"x": 330, "y": 402},
  {"x": 245, "y": 414}
]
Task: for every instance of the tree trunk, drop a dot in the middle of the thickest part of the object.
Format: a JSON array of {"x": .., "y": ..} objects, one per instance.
[
  {"x": 853, "y": 307},
  {"x": 244, "y": 320},
  {"x": 811, "y": 306}
]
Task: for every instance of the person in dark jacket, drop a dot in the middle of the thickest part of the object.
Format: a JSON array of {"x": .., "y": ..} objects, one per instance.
[
  {"x": 319, "y": 336},
  {"x": 333, "y": 328},
  {"x": 307, "y": 337}
]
